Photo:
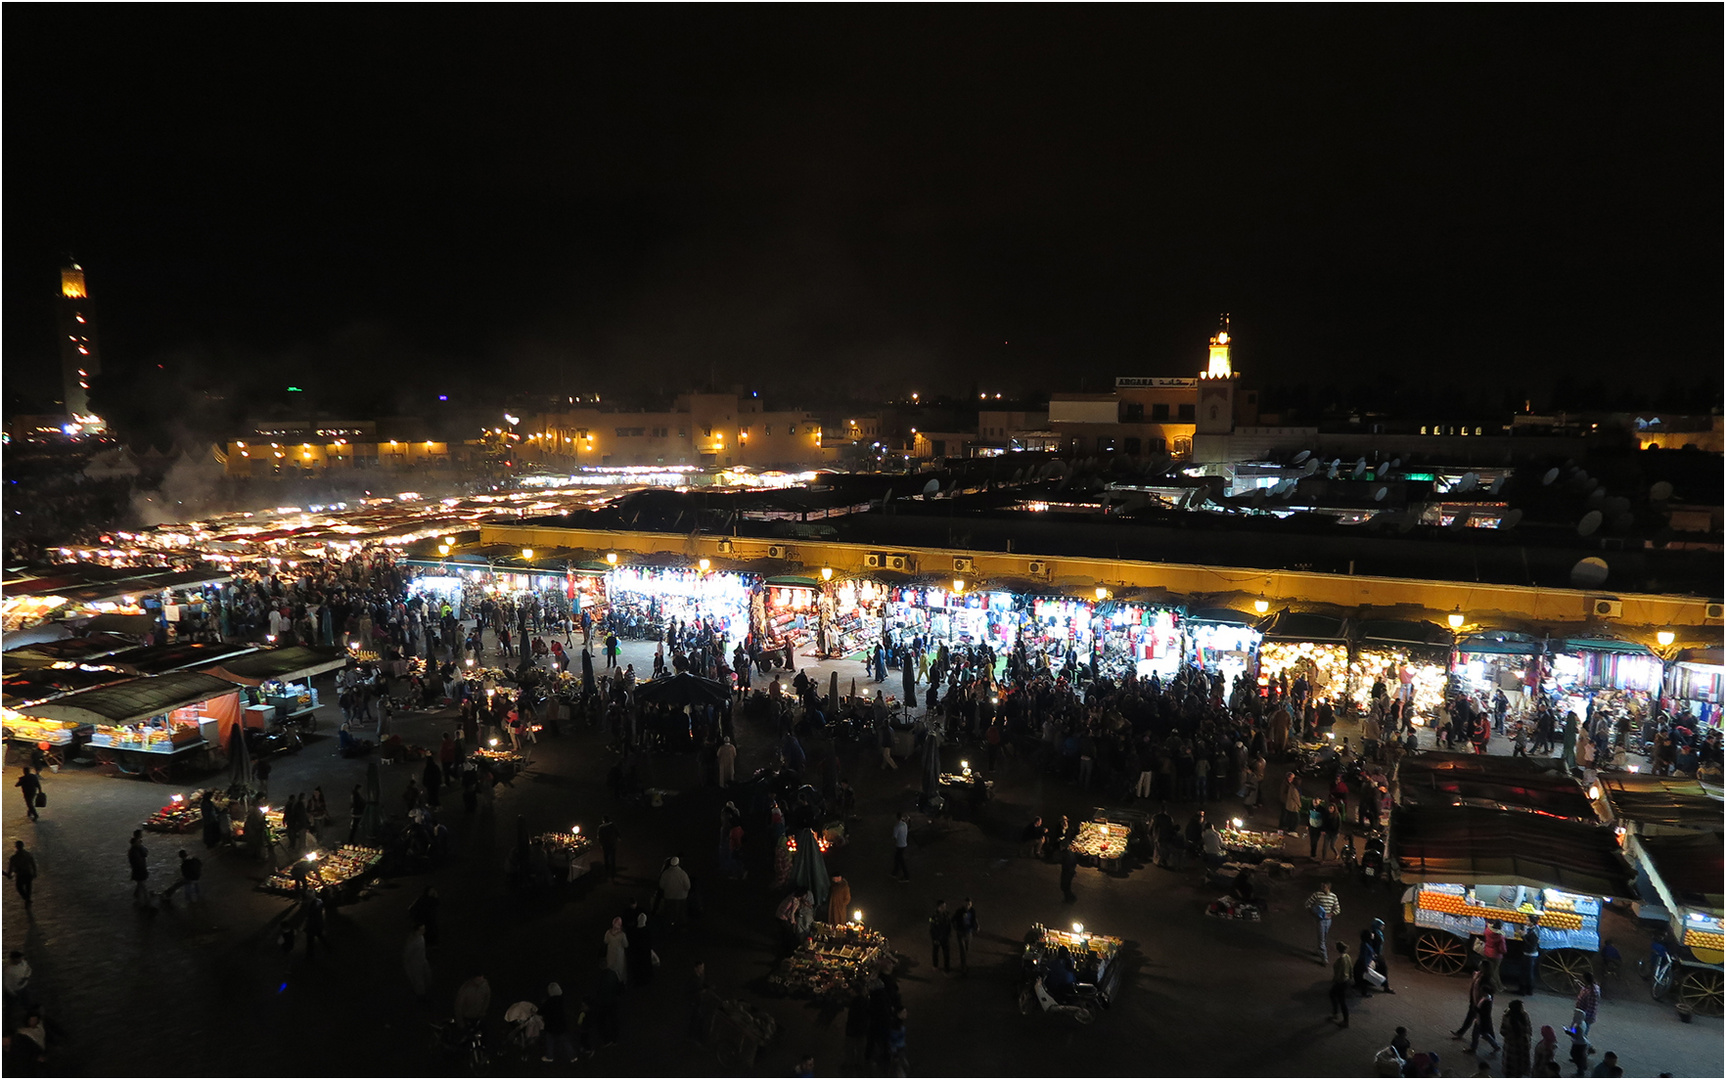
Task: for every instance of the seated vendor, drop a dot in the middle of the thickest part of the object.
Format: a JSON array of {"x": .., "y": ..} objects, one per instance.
[
  {"x": 1242, "y": 888},
  {"x": 1213, "y": 847},
  {"x": 1059, "y": 978}
]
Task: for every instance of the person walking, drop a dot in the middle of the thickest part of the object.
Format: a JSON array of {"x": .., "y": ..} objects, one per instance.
[
  {"x": 964, "y": 929},
  {"x": 1324, "y": 906},
  {"x": 1476, "y": 987},
  {"x": 617, "y": 950},
  {"x": 415, "y": 963},
  {"x": 1483, "y": 1027},
  {"x": 1372, "y": 940},
  {"x": 314, "y": 920},
  {"x": 1529, "y": 967},
  {"x": 941, "y": 937},
  {"x": 901, "y": 841},
  {"x": 191, "y": 875},
  {"x": 1069, "y": 870},
  {"x": 1546, "y": 1053},
  {"x": 138, "y": 859},
  {"x": 357, "y": 810},
  {"x": 1518, "y": 1032},
  {"x": 674, "y": 891},
  {"x": 1586, "y": 1005},
  {"x": 30, "y": 784},
  {"x": 727, "y": 757},
  {"x": 607, "y": 834},
  {"x": 21, "y": 868},
  {"x": 1341, "y": 974}
]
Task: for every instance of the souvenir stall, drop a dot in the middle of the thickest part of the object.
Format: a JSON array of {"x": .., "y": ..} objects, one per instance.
[
  {"x": 955, "y": 617},
  {"x": 344, "y": 869},
  {"x": 1498, "y": 660},
  {"x": 153, "y": 724},
  {"x": 1135, "y": 638},
  {"x": 1694, "y": 686},
  {"x": 655, "y": 594},
  {"x": 1617, "y": 679},
  {"x": 854, "y": 612},
  {"x": 1309, "y": 644},
  {"x": 792, "y": 612},
  {"x": 1391, "y": 650},
  {"x": 1057, "y": 623},
  {"x": 1222, "y": 640}
]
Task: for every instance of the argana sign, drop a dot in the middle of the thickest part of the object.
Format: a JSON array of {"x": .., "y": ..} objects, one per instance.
[{"x": 1124, "y": 382}]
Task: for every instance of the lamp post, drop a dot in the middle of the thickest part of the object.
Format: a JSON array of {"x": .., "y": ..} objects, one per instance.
[{"x": 1667, "y": 654}]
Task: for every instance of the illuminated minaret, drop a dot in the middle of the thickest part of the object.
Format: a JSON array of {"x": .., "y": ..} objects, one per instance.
[
  {"x": 80, "y": 361},
  {"x": 1217, "y": 386},
  {"x": 1220, "y": 367}
]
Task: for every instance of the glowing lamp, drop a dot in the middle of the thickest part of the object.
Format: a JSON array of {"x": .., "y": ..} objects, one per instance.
[
  {"x": 826, "y": 573},
  {"x": 611, "y": 557},
  {"x": 1455, "y": 618},
  {"x": 1594, "y": 791},
  {"x": 1102, "y": 593},
  {"x": 958, "y": 585},
  {"x": 705, "y": 565},
  {"x": 527, "y": 553},
  {"x": 1237, "y": 823},
  {"x": 494, "y": 740},
  {"x": 470, "y": 661},
  {"x": 575, "y": 829},
  {"x": 1078, "y": 928},
  {"x": 1261, "y": 605},
  {"x": 857, "y": 916},
  {"x": 1665, "y": 637}
]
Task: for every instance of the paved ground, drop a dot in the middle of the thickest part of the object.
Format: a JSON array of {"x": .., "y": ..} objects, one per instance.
[{"x": 202, "y": 989}]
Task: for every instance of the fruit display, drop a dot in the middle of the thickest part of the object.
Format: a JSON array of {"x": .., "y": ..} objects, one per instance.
[
  {"x": 1256, "y": 843},
  {"x": 1554, "y": 917},
  {"x": 1102, "y": 840},
  {"x": 347, "y": 863},
  {"x": 179, "y": 815},
  {"x": 1702, "y": 939}
]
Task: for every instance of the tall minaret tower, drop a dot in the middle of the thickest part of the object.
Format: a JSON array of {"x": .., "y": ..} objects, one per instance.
[
  {"x": 1220, "y": 367},
  {"x": 1217, "y": 386},
  {"x": 80, "y": 362}
]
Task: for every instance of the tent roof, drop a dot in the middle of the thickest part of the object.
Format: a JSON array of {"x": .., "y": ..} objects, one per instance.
[
  {"x": 180, "y": 656},
  {"x": 1222, "y": 615},
  {"x": 139, "y": 699},
  {"x": 1499, "y": 641},
  {"x": 1286, "y": 625},
  {"x": 1468, "y": 845},
  {"x": 33, "y": 685},
  {"x": 114, "y": 623},
  {"x": 796, "y": 580},
  {"x": 1600, "y": 644},
  {"x": 43, "y": 653},
  {"x": 1668, "y": 801},
  {"x": 287, "y": 663},
  {"x": 1504, "y": 783},
  {"x": 1403, "y": 632},
  {"x": 1689, "y": 868}
]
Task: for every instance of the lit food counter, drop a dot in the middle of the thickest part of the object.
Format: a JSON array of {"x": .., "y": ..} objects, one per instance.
[
  {"x": 833, "y": 961},
  {"x": 29, "y": 729},
  {"x": 570, "y": 844},
  {"x": 1250, "y": 846},
  {"x": 273, "y": 824},
  {"x": 1102, "y": 843},
  {"x": 1095, "y": 956},
  {"x": 179, "y": 815},
  {"x": 346, "y": 866},
  {"x": 151, "y": 737}
]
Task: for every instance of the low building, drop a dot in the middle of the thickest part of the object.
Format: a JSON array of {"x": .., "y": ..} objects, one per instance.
[{"x": 712, "y": 430}]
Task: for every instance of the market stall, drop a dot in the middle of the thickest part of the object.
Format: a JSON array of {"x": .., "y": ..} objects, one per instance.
[
  {"x": 1136, "y": 638},
  {"x": 278, "y": 682},
  {"x": 1308, "y": 644},
  {"x": 1493, "y": 660},
  {"x": 343, "y": 870},
  {"x": 150, "y": 725},
  {"x": 1467, "y": 865},
  {"x": 792, "y": 613},
  {"x": 1102, "y": 844},
  {"x": 1096, "y": 959},
  {"x": 1685, "y": 874},
  {"x": 564, "y": 851},
  {"x": 1410, "y": 658},
  {"x": 834, "y": 962},
  {"x": 1584, "y": 664},
  {"x": 1222, "y": 640},
  {"x": 854, "y": 615},
  {"x": 655, "y": 594},
  {"x": 1696, "y": 685}
]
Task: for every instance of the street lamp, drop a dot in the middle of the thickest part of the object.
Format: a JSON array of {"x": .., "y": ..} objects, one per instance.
[
  {"x": 1456, "y": 619},
  {"x": 1261, "y": 605},
  {"x": 705, "y": 564},
  {"x": 1102, "y": 594},
  {"x": 958, "y": 584},
  {"x": 1665, "y": 638},
  {"x": 611, "y": 557},
  {"x": 826, "y": 573},
  {"x": 526, "y": 553}
]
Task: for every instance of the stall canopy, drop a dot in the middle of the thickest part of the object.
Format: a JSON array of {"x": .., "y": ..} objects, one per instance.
[
  {"x": 1468, "y": 845},
  {"x": 114, "y": 623},
  {"x": 181, "y": 656},
  {"x": 140, "y": 699},
  {"x": 1502, "y": 783},
  {"x": 1227, "y": 616},
  {"x": 288, "y": 664},
  {"x": 1422, "y": 638},
  {"x": 66, "y": 651},
  {"x": 1665, "y": 803},
  {"x": 1688, "y": 869},
  {"x": 795, "y": 581},
  {"x": 31, "y": 686},
  {"x": 1286, "y": 625},
  {"x": 683, "y": 689},
  {"x": 1607, "y": 645},
  {"x": 1507, "y": 642}
]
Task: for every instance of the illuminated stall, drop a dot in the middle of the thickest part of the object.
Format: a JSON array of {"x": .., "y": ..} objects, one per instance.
[
  {"x": 792, "y": 611},
  {"x": 658, "y": 593},
  {"x": 1498, "y": 660},
  {"x": 1222, "y": 640},
  {"x": 1306, "y": 644},
  {"x": 152, "y": 724},
  {"x": 1136, "y": 638},
  {"x": 1583, "y": 664},
  {"x": 854, "y": 611},
  {"x": 1411, "y": 654},
  {"x": 1695, "y": 685}
]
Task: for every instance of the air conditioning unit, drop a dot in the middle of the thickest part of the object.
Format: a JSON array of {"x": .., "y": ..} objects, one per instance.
[
  {"x": 899, "y": 562},
  {"x": 1714, "y": 611},
  {"x": 724, "y": 547},
  {"x": 1603, "y": 608},
  {"x": 778, "y": 551},
  {"x": 1038, "y": 568},
  {"x": 964, "y": 565},
  {"x": 872, "y": 560}
]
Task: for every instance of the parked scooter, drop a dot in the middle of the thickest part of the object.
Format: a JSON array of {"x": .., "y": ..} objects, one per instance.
[{"x": 1083, "y": 1008}]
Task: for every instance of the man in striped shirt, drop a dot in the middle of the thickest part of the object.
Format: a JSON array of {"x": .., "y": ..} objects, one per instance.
[{"x": 1324, "y": 907}]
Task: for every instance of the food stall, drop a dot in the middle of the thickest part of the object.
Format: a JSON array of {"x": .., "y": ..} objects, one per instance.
[
  {"x": 1491, "y": 660},
  {"x": 151, "y": 725},
  {"x": 277, "y": 683},
  {"x": 1103, "y": 844},
  {"x": 834, "y": 962},
  {"x": 565, "y": 850},
  {"x": 344, "y": 870},
  {"x": 1306, "y": 643},
  {"x": 1389, "y": 649},
  {"x": 1684, "y": 873},
  {"x": 1222, "y": 640},
  {"x": 1096, "y": 959},
  {"x": 177, "y": 815},
  {"x": 1465, "y": 865}
]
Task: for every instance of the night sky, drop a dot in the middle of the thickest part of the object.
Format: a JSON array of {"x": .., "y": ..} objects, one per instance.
[{"x": 413, "y": 199}]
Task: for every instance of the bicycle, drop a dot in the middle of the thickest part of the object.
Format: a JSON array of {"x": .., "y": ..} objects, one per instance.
[{"x": 463, "y": 1042}]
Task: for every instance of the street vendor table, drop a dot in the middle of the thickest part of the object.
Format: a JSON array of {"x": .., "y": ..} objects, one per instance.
[
  {"x": 832, "y": 961},
  {"x": 569, "y": 846},
  {"x": 157, "y": 764},
  {"x": 344, "y": 869},
  {"x": 1095, "y": 956},
  {"x": 1102, "y": 844}
]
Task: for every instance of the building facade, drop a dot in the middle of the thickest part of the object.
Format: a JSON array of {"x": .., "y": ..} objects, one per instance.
[{"x": 701, "y": 430}]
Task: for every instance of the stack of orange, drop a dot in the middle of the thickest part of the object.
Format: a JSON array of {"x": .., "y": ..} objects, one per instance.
[{"x": 1702, "y": 939}]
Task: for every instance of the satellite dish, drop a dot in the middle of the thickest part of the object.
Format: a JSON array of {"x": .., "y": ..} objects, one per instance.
[
  {"x": 1359, "y": 467},
  {"x": 1311, "y": 466},
  {"x": 1661, "y": 491},
  {"x": 1590, "y": 523},
  {"x": 1379, "y": 492},
  {"x": 1301, "y": 457},
  {"x": 887, "y": 498},
  {"x": 1460, "y": 521},
  {"x": 1018, "y": 474},
  {"x": 1395, "y": 462},
  {"x": 1467, "y": 481},
  {"x": 1590, "y": 573},
  {"x": 931, "y": 487},
  {"x": 1510, "y": 520},
  {"x": 1616, "y": 504},
  {"x": 1258, "y": 498},
  {"x": 1497, "y": 485},
  {"x": 1551, "y": 475}
]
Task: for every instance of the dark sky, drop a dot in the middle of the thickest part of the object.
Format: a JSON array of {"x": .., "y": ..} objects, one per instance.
[{"x": 886, "y": 198}]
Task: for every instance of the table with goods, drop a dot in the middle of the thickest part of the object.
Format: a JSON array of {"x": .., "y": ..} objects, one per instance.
[
  {"x": 1095, "y": 956},
  {"x": 833, "y": 961},
  {"x": 1102, "y": 844},
  {"x": 341, "y": 869}
]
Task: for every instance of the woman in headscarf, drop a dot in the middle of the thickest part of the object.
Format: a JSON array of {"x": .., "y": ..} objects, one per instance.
[
  {"x": 616, "y": 950},
  {"x": 1517, "y": 1030},
  {"x": 640, "y": 952},
  {"x": 1546, "y": 1052}
]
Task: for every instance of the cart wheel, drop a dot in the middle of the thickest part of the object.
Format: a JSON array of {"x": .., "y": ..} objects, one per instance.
[
  {"x": 1701, "y": 989},
  {"x": 1025, "y": 1002},
  {"x": 1440, "y": 952},
  {"x": 1559, "y": 969}
]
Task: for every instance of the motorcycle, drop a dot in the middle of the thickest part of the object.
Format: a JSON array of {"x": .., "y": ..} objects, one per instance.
[
  {"x": 1372, "y": 857},
  {"x": 464, "y": 1043},
  {"x": 1083, "y": 1009}
]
